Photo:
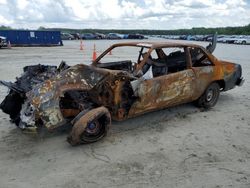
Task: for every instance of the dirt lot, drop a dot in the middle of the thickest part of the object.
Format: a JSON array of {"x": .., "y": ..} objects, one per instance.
[{"x": 177, "y": 147}]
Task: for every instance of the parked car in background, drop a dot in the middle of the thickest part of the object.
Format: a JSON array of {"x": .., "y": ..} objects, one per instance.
[
  {"x": 242, "y": 40},
  {"x": 88, "y": 36},
  {"x": 221, "y": 38},
  {"x": 3, "y": 42},
  {"x": 191, "y": 37},
  {"x": 231, "y": 39},
  {"x": 76, "y": 36},
  {"x": 134, "y": 36},
  {"x": 66, "y": 36},
  {"x": 183, "y": 37},
  {"x": 114, "y": 36},
  {"x": 199, "y": 37},
  {"x": 100, "y": 36},
  {"x": 208, "y": 38}
]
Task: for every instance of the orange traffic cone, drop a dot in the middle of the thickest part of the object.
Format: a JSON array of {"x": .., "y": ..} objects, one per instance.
[
  {"x": 81, "y": 45},
  {"x": 9, "y": 45},
  {"x": 94, "y": 54}
]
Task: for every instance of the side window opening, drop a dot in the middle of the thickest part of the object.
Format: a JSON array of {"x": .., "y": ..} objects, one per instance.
[
  {"x": 154, "y": 55},
  {"x": 175, "y": 59},
  {"x": 168, "y": 60},
  {"x": 199, "y": 58},
  {"x": 122, "y": 58}
]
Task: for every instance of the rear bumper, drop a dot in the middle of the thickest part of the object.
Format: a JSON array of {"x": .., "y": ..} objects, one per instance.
[
  {"x": 234, "y": 79},
  {"x": 240, "y": 81}
]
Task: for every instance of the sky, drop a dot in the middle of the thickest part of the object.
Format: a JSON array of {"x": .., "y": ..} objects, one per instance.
[{"x": 124, "y": 14}]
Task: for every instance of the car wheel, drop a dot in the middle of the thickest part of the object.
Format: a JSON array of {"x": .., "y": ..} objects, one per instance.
[
  {"x": 93, "y": 132},
  {"x": 210, "y": 97},
  {"x": 90, "y": 127},
  {"x": 244, "y": 42}
]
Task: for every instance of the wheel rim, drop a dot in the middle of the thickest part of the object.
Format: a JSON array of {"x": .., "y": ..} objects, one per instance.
[
  {"x": 93, "y": 132},
  {"x": 210, "y": 95},
  {"x": 93, "y": 128}
]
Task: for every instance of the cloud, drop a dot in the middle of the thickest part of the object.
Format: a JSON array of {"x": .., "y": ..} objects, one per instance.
[{"x": 124, "y": 14}]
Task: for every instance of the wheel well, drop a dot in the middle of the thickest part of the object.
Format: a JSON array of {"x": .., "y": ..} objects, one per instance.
[
  {"x": 221, "y": 84},
  {"x": 104, "y": 120}
]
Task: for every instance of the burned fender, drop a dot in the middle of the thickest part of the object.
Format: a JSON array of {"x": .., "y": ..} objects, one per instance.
[
  {"x": 44, "y": 98},
  {"x": 31, "y": 76},
  {"x": 81, "y": 122}
]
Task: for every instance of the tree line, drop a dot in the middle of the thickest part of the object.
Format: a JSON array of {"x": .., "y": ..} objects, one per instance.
[{"x": 241, "y": 30}]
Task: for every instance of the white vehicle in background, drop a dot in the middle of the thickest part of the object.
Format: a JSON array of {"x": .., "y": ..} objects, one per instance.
[
  {"x": 3, "y": 42},
  {"x": 230, "y": 39},
  {"x": 242, "y": 40},
  {"x": 222, "y": 38}
]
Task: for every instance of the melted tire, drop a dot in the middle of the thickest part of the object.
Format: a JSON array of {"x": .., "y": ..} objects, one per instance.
[{"x": 90, "y": 127}]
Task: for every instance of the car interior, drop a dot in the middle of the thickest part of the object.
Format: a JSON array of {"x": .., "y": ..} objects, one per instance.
[
  {"x": 199, "y": 58},
  {"x": 163, "y": 61}
]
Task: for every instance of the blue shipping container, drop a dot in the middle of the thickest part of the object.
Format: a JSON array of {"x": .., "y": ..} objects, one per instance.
[{"x": 32, "y": 37}]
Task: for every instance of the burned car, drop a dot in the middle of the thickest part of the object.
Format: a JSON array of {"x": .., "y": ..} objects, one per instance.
[{"x": 86, "y": 97}]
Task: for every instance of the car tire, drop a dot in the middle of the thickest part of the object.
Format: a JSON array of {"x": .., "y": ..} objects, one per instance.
[
  {"x": 244, "y": 42},
  {"x": 90, "y": 127},
  {"x": 210, "y": 97}
]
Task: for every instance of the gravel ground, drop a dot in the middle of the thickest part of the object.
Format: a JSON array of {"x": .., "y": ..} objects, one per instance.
[{"x": 177, "y": 147}]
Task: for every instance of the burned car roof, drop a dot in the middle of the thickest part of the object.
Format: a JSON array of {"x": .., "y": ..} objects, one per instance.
[
  {"x": 155, "y": 44},
  {"x": 149, "y": 45}
]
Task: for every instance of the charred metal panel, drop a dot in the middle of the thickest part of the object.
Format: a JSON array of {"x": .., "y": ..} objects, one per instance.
[
  {"x": 45, "y": 97},
  {"x": 164, "y": 91},
  {"x": 115, "y": 93},
  {"x": 204, "y": 76},
  {"x": 32, "y": 75}
]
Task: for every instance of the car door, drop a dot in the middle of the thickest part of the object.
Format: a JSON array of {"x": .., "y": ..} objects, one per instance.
[
  {"x": 164, "y": 91},
  {"x": 204, "y": 69}
]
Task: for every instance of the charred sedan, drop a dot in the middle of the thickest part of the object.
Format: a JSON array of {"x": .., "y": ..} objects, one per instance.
[{"x": 87, "y": 97}]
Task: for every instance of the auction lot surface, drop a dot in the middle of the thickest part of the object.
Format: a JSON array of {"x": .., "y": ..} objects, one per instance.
[{"x": 177, "y": 147}]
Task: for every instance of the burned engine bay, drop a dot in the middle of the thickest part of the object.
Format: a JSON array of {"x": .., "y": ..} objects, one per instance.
[
  {"x": 52, "y": 96},
  {"x": 32, "y": 75}
]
